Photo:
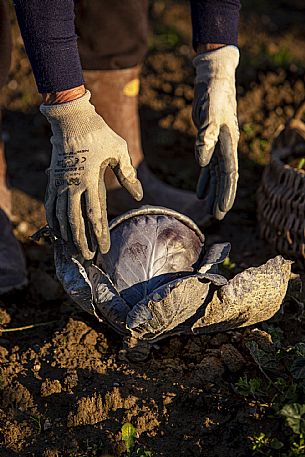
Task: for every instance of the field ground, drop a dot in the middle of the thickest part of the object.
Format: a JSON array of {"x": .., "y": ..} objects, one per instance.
[{"x": 63, "y": 389}]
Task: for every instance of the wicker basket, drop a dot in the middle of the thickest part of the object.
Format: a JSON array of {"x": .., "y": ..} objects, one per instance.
[{"x": 281, "y": 196}]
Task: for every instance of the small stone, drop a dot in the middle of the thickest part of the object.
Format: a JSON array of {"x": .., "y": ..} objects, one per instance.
[
  {"x": 12, "y": 84},
  {"x": 232, "y": 358},
  {"x": 36, "y": 366},
  {"x": 47, "y": 424},
  {"x": 210, "y": 369},
  {"x": 23, "y": 227},
  {"x": 167, "y": 399},
  {"x": 5, "y": 318},
  {"x": 3, "y": 354}
]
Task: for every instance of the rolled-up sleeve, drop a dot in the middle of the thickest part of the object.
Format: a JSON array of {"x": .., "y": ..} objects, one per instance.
[
  {"x": 48, "y": 31},
  {"x": 215, "y": 21}
]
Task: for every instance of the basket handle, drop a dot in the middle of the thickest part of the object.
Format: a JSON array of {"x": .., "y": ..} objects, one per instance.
[{"x": 286, "y": 134}]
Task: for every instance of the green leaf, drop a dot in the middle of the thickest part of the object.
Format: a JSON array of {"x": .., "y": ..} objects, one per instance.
[
  {"x": 129, "y": 435},
  {"x": 298, "y": 368},
  {"x": 228, "y": 263},
  {"x": 252, "y": 386},
  {"x": 276, "y": 444},
  {"x": 295, "y": 417},
  {"x": 266, "y": 361},
  {"x": 146, "y": 454}
]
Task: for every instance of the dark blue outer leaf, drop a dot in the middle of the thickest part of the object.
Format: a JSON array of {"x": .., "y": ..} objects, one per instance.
[
  {"x": 108, "y": 302},
  {"x": 73, "y": 276},
  {"x": 170, "y": 305}
]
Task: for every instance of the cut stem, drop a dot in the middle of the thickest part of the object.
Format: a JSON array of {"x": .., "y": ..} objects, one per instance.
[{"x": 26, "y": 327}]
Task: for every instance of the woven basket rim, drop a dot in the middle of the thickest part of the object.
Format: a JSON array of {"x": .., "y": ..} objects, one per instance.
[{"x": 278, "y": 154}]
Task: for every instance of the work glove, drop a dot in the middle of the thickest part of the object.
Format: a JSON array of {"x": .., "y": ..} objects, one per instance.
[
  {"x": 83, "y": 147},
  {"x": 214, "y": 115}
]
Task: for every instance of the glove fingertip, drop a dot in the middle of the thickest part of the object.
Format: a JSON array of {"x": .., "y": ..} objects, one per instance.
[
  {"x": 88, "y": 255},
  {"x": 199, "y": 194},
  {"x": 105, "y": 245},
  {"x": 218, "y": 214},
  {"x": 136, "y": 190},
  {"x": 83, "y": 249},
  {"x": 224, "y": 206},
  {"x": 104, "y": 239},
  {"x": 226, "y": 201},
  {"x": 203, "y": 156}
]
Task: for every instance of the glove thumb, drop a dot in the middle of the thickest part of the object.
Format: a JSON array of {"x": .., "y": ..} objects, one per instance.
[{"x": 127, "y": 177}]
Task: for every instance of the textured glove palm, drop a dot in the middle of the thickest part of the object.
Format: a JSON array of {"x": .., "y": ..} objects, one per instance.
[
  {"x": 214, "y": 114},
  {"x": 83, "y": 147}
]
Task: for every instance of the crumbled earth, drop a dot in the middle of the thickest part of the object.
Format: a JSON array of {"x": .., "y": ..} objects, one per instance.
[{"x": 64, "y": 389}]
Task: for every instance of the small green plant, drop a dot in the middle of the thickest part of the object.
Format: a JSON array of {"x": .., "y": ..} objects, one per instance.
[
  {"x": 164, "y": 38},
  {"x": 265, "y": 445},
  {"x": 262, "y": 444},
  {"x": 249, "y": 387},
  {"x": 259, "y": 442},
  {"x": 129, "y": 436},
  {"x": 284, "y": 368},
  {"x": 282, "y": 57},
  {"x": 227, "y": 263},
  {"x": 228, "y": 268},
  {"x": 258, "y": 148},
  {"x": 249, "y": 130},
  {"x": 297, "y": 447}
]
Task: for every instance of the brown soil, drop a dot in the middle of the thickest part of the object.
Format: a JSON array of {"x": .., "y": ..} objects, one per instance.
[{"x": 64, "y": 391}]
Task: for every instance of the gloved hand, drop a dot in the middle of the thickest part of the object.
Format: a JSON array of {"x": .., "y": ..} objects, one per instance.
[
  {"x": 83, "y": 146},
  {"x": 214, "y": 114}
]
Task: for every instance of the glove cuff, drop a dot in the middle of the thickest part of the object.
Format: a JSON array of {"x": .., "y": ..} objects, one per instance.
[
  {"x": 72, "y": 108},
  {"x": 219, "y": 64},
  {"x": 74, "y": 118}
]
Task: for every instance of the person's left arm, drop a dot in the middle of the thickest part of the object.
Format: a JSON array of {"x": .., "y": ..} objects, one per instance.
[{"x": 215, "y": 31}]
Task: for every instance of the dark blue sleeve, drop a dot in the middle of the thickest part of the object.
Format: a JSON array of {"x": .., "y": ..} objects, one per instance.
[
  {"x": 48, "y": 31},
  {"x": 215, "y": 21}
]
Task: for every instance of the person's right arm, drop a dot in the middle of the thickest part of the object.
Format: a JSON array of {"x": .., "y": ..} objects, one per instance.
[
  {"x": 82, "y": 144},
  {"x": 48, "y": 32}
]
